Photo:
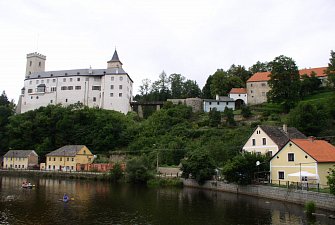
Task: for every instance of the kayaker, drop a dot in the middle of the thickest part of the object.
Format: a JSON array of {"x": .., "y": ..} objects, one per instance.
[{"x": 65, "y": 198}]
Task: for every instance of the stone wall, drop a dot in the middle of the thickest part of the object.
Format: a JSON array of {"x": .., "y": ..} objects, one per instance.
[{"x": 321, "y": 200}]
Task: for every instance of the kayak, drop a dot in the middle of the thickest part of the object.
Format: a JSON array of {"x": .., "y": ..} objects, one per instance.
[{"x": 27, "y": 186}]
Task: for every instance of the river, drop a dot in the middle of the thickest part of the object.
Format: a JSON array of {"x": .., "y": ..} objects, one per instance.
[{"x": 97, "y": 202}]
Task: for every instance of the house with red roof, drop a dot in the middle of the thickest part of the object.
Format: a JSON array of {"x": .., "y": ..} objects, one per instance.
[
  {"x": 303, "y": 160},
  {"x": 240, "y": 96},
  {"x": 257, "y": 84}
]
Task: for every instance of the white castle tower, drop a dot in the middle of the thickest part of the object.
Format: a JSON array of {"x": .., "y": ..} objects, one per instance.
[{"x": 35, "y": 63}]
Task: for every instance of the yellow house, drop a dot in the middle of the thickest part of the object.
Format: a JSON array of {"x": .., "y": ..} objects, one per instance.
[
  {"x": 267, "y": 140},
  {"x": 306, "y": 160},
  {"x": 67, "y": 157},
  {"x": 20, "y": 159}
]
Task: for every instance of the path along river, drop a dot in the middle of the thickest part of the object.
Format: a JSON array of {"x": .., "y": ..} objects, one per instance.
[{"x": 104, "y": 203}]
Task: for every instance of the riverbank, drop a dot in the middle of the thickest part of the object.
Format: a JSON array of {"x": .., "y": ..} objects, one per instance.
[{"x": 321, "y": 200}]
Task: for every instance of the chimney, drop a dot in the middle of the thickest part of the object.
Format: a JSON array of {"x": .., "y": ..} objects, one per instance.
[
  {"x": 285, "y": 128},
  {"x": 311, "y": 138},
  {"x": 217, "y": 98}
]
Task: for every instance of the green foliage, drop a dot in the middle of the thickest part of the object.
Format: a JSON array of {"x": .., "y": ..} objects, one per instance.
[
  {"x": 214, "y": 118},
  {"x": 246, "y": 111},
  {"x": 331, "y": 69},
  {"x": 6, "y": 111},
  {"x": 309, "y": 118},
  {"x": 331, "y": 180},
  {"x": 229, "y": 116},
  {"x": 222, "y": 83},
  {"x": 310, "y": 207},
  {"x": 116, "y": 173},
  {"x": 259, "y": 67},
  {"x": 309, "y": 84},
  {"x": 165, "y": 182},
  {"x": 242, "y": 167},
  {"x": 139, "y": 169},
  {"x": 284, "y": 82},
  {"x": 200, "y": 165}
]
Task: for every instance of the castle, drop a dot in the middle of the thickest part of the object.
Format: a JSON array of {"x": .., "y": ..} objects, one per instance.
[{"x": 109, "y": 88}]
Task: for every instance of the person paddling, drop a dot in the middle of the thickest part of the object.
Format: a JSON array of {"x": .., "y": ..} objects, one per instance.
[{"x": 65, "y": 198}]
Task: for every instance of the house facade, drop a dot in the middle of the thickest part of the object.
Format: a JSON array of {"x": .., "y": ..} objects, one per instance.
[
  {"x": 258, "y": 87},
  {"x": 240, "y": 96},
  {"x": 306, "y": 160},
  {"x": 110, "y": 88},
  {"x": 67, "y": 157},
  {"x": 220, "y": 103},
  {"x": 20, "y": 159},
  {"x": 268, "y": 140}
]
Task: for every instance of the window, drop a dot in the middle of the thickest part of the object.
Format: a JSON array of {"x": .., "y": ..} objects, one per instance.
[
  {"x": 263, "y": 84},
  {"x": 39, "y": 64},
  {"x": 36, "y": 97},
  {"x": 40, "y": 88},
  {"x": 19, "y": 166},
  {"x": 64, "y": 79},
  {"x": 71, "y": 167},
  {"x": 210, "y": 103},
  {"x": 67, "y": 159},
  {"x": 53, "y": 80},
  {"x": 112, "y": 87},
  {"x": 30, "y": 63},
  {"x": 281, "y": 175},
  {"x": 121, "y": 78},
  {"x": 94, "y": 99},
  {"x": 269, "y": 153},
  {"x": 111, "y": 94},
  {"x": 96, "y": 88},
  {"x": 47, "y": 81},
  {"x": 53, "y": 89},
  {"x": 303, "y": 178},
  {"x": 71, "y": 79},
  {"x": 61, "y": 159},
  {"x": 31, "y": 82},
  {"x": 30, "y": 90},
  {"x": 37, "y": 81},
  {"x": 290, "y": 157},
  {"x": 78, "y": 79},
  {"x": 49, "y": 158},
  {"x": 120, "y": 94},
  {"x": 42, "y": 81},
  {"x": 227, "y": 103},
  {"x": 22, "y": 166},
  {"x": 264, "y": 141},
  {"x": 78, "y": 87},
  {"x": 251, "y": 91},
  {"x": 72, "y": 159},
  {"x": 54, "y": 167},
  {"x": 253, "y": 142},
  {"x": 54, "y": 159},
  {"x": 70, "y": 87},
  {"x": 218, "y": 103},
  {"x": 63, "y": 88},
  {"x": 112, "y": 78},
  {"x": 120, "y": 87},
  {"x": 65, "y": 100}
]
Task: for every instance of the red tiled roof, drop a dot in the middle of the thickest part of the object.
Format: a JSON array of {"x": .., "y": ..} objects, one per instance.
[
  {"x": 265, "y": 76},
  {"x": 238, "y": 91},
  {"x": 320, "y": 150}
]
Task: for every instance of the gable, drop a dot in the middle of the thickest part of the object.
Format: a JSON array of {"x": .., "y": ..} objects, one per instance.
[
  {"x": 258, "y": 135},
  {"x": 84, "y": 151}
]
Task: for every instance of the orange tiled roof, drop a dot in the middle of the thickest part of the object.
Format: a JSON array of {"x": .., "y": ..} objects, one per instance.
[
  {"x": 264, "y": 76},
  {"x": 320, "y": 150},
  {"x": 238, "y": 91}
]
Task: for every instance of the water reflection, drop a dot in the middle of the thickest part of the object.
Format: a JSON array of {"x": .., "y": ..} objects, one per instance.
[{"x": 103, "y": 203}]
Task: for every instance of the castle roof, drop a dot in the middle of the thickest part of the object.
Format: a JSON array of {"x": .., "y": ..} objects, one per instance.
[
  {"x": 115, "y": 58},
  {"x": 265, "y": 76},
  {"x": 238, "y": 91}
]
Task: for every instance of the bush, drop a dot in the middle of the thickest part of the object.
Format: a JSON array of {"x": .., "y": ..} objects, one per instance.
[
  {"x": 138, "y": 170},
  {"x": 310, "y": 207},
  {"x": 116, "y": 173}
]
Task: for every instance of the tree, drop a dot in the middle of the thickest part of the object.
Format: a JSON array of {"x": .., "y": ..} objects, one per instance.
[
  {"x": 177, "y": 85},
  {"x": 309, "y": 84},
  {"x": 310, "y": 119},
  {"x": 222, "y": 83},
  {"x": 331, "y": 69},
  {"x": 331, "y": 180},
  {"x": 259, "y": 67},
  {"x": 116, "y": 173},
  {"x": 138, "y": 169},
  {"x": 6, "y": 111},
  {"x": 245, "y": 111},
  {"x": 145, "y": 88},
  {"x": 229, "y": 116},
  {"x": 214, "y": 118},
  {"x": 206, "y": 90},
  {"x": 240, "y": 72},
  {"x": 199, "y": 164},
  {"x": 284, "y": 82},
  {"x": 191, "y": 89},
  {"x": 242, "y": 168}
]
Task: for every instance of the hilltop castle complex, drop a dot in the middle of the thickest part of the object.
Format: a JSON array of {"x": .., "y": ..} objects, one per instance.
[{"x": 109, "y": 88}]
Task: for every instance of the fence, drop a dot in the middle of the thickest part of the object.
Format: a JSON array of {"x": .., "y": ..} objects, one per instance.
[{"x": 307, "y": 186}]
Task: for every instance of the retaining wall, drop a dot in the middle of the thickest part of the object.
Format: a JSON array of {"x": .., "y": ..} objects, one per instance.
[{"x": 321, "y": 200}]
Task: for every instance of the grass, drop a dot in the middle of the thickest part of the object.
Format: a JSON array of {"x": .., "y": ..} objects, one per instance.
[
  {"x": 322, "y": 97},
  {"x": 165, "y": 182}
]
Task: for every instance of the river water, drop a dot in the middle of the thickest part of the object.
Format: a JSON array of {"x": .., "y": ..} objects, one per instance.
[{"x": 104, "y": 203}]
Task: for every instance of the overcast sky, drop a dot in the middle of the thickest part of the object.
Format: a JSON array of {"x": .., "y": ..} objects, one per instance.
[{"x": 190, "y": 37}]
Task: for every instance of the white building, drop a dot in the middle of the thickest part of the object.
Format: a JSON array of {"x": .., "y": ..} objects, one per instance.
[
  {"x": 220, "y": 103},
  {"x": 240, "y": 96},
  {"x": 109, "y": 88}
]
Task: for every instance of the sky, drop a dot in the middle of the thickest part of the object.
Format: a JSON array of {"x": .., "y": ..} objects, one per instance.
[{"x": 189, "y": 37}]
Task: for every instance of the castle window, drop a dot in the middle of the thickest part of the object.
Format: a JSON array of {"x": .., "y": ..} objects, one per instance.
[
  {"x": 42, "y": 81},
  {"x": 112, "y": 78},
  {"x": 111, "y": 94},
  {"x": 29, "y": 73},
  {"x": 39, "y": 76},
  {"x": 227, "y": 103},
  {"x": 64, "y": 79},
  {"x": 22, "y": 91},
  {"x": 65, "y": 100},
  {"x": 120, "y": 87},
  {"x": 70, "y": 87},
  {"x": 39, "y": 64},
  {"x": 121, "y": 78},
  {"x": 30, "y": 63},
  {"x": 78, "y": 73},
  {"x": 53, "y": 80},
  {"x": 51, "y": 101},
  {"x": 41, "y": 88},
  {"x": 37, "y": 81},
  {"x": 71, "y": 79},
  {"x": 36, "y": 97},
  {"x": 78, "y": 79},
  {"x": 65, "y": 74},
  {"x": 78, "y": 87},
  {"x": 63, "y": 88},
  {"x": 30, "y": 90},
  {"x": 263, "y": 84},
  {"x": 112, "y": 87},
  {"x": 51, "y": 75},
  {"x": 210, "y": 103},
  {"x": 120, "y": 94},
  {"x": 94, "y": 99},
  {"x": 96, "y": 88},
  {"x": 31, "y": 97},
  {"x": 31, "y": 82},
  {"x": 53, "y": 89},
  {"x": 218, "y": 103}
]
